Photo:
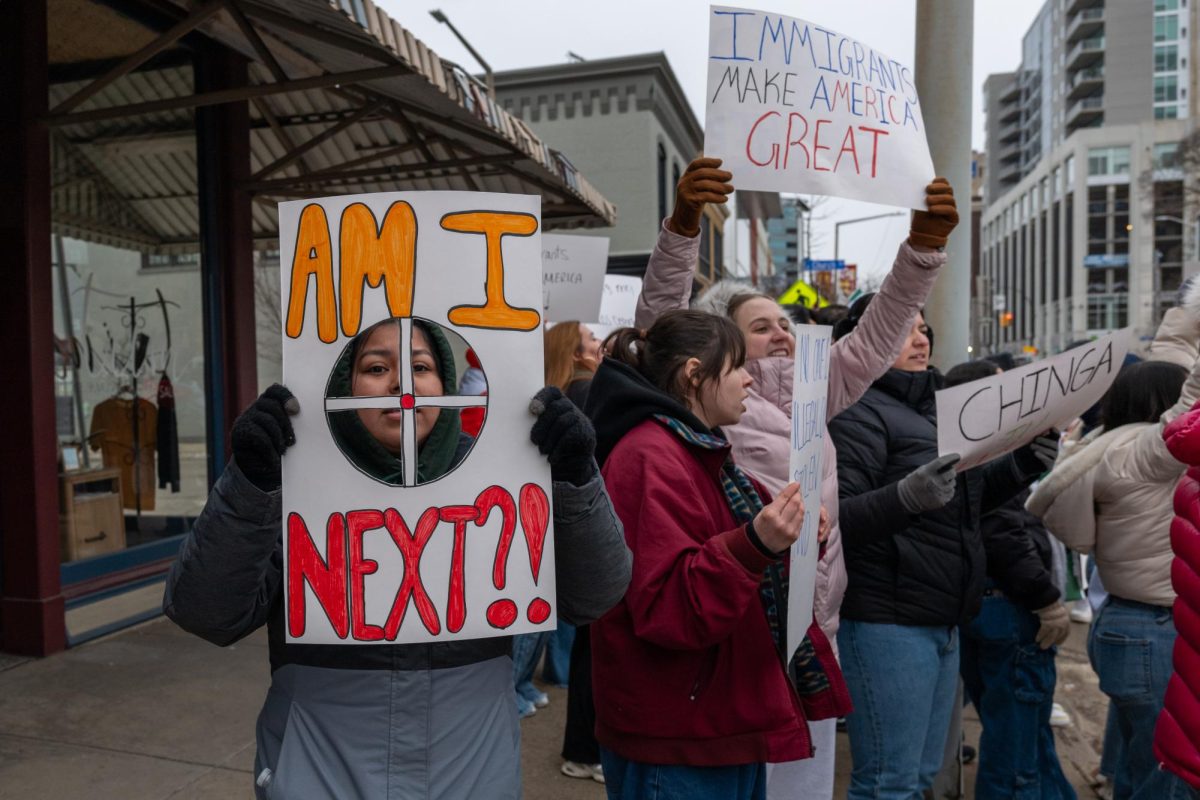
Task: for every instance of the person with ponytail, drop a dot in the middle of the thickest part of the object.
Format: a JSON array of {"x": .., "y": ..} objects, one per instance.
[{"x": 695, "y": 691}]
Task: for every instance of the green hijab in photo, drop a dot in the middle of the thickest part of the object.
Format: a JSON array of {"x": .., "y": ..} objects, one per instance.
[{"x": 436, "y": 456}]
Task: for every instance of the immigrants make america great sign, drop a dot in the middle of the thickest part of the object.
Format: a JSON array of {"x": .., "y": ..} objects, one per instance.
[
  {"x": 412, "y": 512},
  {"x": 796, "y": 107}
]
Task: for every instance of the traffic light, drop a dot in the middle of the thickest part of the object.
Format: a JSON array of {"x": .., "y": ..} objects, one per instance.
[{"x": 1006, "y": 319}]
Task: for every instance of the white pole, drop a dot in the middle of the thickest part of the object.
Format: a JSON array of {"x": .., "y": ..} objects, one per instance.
[{"x": 943, "y": 74}]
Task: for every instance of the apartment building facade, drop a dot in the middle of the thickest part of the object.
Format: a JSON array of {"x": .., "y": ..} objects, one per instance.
[{"x": 1089, "y": 221}]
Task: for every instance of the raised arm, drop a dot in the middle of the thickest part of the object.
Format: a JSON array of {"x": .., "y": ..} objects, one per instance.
[
  {"x": 667, "y": 284},
  {"x": 858, "y": 359}
]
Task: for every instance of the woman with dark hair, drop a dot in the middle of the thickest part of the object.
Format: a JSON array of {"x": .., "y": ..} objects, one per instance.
[
  {"x": 402, "y": 720},
  {"x": 915, "y": 558},
  {"x": 1111, "y": 494},
  {"x": 693, "y": 695}
]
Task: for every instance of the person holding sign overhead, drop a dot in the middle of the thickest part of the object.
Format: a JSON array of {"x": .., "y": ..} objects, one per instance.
[
  {"x": 1111, "y": 494},
  {"x": 690, "y": 675},
  {"x": 761, "y": 440},
  {"x": 384, "y": 720},
  {"x": 910, "y": 527}
]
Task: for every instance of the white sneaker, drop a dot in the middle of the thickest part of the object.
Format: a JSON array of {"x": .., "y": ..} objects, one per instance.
[
  {"x": 1059, "y": 718},
  {"x": 573, "y": 769},
  {"x": 542, "y": 700},
  {"x": 1081, "y": 611}
]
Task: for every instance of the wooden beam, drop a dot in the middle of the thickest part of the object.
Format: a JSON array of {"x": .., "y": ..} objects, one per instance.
[
  {"x": 296, "y": 152},
  {"x": 375, "y": 173},
  {"x": 260, "y": 47},
  {"x": 230, "y": 95},
  {"x": 168, "y": 38}
]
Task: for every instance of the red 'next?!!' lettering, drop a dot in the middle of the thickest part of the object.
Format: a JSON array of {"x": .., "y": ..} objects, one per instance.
[{"x": 338, "y": 579}]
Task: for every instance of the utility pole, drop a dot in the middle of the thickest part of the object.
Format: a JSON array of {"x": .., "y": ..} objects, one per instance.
[{"x": 944, "y": 55}]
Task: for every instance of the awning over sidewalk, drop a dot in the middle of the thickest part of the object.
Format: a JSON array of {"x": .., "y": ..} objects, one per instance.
[{"x": 342, "y": 100}]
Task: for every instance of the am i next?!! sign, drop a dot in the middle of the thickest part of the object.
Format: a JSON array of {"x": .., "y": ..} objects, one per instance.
[
  {"x": 796, "y": 107},
  {"x": 398, "y": 526}
]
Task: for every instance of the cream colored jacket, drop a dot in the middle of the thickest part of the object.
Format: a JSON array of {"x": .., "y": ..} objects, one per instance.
[{"x": 1111, "y": 492}]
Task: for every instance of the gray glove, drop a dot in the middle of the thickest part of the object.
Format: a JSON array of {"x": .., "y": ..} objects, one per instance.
[
  {"x": 1039, "y": 455},
  {"x": 929, "y": 486}
]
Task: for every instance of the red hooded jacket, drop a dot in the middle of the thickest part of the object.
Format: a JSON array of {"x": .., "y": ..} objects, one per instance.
[
  {"x": 1177, "y": 736},
  {"x": 685, "y": 669}
]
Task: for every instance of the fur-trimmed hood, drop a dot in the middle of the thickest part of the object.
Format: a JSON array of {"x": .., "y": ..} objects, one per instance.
[
  {"x": 1078, "y": 458},
  {"x": 715, "y": 299}
]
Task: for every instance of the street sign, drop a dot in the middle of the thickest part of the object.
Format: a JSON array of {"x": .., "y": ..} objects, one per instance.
[
  {"x": 827, "y": 264},
  {"x": 999, "y": 302},
  {"x": 800, "y": 293}
]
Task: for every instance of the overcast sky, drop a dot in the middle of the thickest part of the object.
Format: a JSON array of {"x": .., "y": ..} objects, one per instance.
[{"x": 527, "y": 33}]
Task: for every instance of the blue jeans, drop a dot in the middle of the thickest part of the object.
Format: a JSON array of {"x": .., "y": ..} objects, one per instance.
[
  {"x": 1130, "y": 648},
  {"x": 634, "y": 780},
  {"x": 902, "y": 680},
  {"x": 1010, "y": 680},
  {"x": 557, "y": 669},
  {"x": 527, "y": 650}
]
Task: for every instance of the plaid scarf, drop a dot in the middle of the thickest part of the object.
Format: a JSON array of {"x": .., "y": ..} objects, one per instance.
[{"x": 805, "y": 670}]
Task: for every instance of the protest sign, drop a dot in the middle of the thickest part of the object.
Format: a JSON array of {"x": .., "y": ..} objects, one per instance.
[
  {"x": 810, "y": 390},
  {"x": 619, "y": 304},
  {"x": 573, "y": 276},
  {"x": 796, "y": 107},
  {"x": 396, "y": 526},
  {"x": 987, "y": 418}
]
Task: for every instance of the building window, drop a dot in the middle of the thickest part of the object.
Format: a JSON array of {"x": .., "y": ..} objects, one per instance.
[
  {"x": 1166, "y": 5},
  {"x": 1166, "y": 28},
  {"x": 1166, "y": 112},
  {"x": 662, "y": 182},
  {"x": 1166, "y": 88},
  {"x": 1166, "y": 57},
  {"x": 1108, "y": 161},
  {"x": 1166, "y": 156}
]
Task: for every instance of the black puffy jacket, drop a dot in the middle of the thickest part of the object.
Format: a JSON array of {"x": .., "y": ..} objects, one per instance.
[
  {"x": 1019, "y": 559},
  {"x": 911, "y": 569}
]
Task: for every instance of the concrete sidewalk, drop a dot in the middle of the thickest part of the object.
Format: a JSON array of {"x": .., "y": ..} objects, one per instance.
[{"x": 153, "y": 712}]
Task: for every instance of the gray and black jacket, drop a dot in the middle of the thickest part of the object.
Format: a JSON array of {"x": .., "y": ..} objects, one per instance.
[{"x": 387, "y": 721}]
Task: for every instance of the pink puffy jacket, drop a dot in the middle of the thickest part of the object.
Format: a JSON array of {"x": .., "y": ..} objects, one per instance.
[
  {"x": 761, "y": 441},
  {"x": 1177, "y": 736}
]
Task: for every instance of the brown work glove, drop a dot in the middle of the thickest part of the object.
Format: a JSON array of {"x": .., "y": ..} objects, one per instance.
[
  {"x": 932, "y": 228},
  {"x": 703, "y": 182}
]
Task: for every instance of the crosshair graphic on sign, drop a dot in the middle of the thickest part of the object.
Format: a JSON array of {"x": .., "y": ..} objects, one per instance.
[{"x": 395, "y": 393}]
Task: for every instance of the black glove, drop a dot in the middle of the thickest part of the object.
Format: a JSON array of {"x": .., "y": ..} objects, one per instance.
[
  {"x": 564, "y": 435},
  {"x": 1038, "y": 456},
  {"x": 262, "y": 433}
]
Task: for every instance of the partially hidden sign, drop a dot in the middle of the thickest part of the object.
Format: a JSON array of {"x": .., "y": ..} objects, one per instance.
[
  {"x": 810, "y": 390},
  {"x": 987, "y": 418},
  {"x": 618, "y": 305},
  {"x": 796, "y": 107},
  {"x": 573, "y": 268},
  {"x": 397, "y": 525}
]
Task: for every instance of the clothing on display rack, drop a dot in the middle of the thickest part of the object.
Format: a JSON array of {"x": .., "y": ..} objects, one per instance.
[
  {"x": 168, "y": 436},
  {"x": 112, "y": 432}
]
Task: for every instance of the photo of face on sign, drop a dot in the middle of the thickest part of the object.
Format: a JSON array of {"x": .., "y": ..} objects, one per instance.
[{"x": 414, "y": 390}]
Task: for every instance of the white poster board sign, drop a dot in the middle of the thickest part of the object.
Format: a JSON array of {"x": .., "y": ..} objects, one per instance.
[
  {"x": 573, "y": 276},
  {"x": 619, "y": 304},
  {"x": 796, "y": 107},
  {"x": 987, "y": 418},
  {"x": 810, "y": 392},
  {"x": 396, "y": 526}
]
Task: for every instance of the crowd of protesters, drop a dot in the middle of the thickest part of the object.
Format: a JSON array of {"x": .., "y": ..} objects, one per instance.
[{"x": 669, "y": 447}]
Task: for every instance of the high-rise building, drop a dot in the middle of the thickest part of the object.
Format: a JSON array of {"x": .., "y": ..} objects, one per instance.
[
  {"x": 1089, "y": 222},
  {"x": 789, "y": 237}
]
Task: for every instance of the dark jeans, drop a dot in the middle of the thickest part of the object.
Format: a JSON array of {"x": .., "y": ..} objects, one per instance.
[
  {"x": 1130, "y": 648},
  {"x": 1010, "y": 680},
  {"x": 579, "y": 737},
  {"x": 634, "y": 780}
]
